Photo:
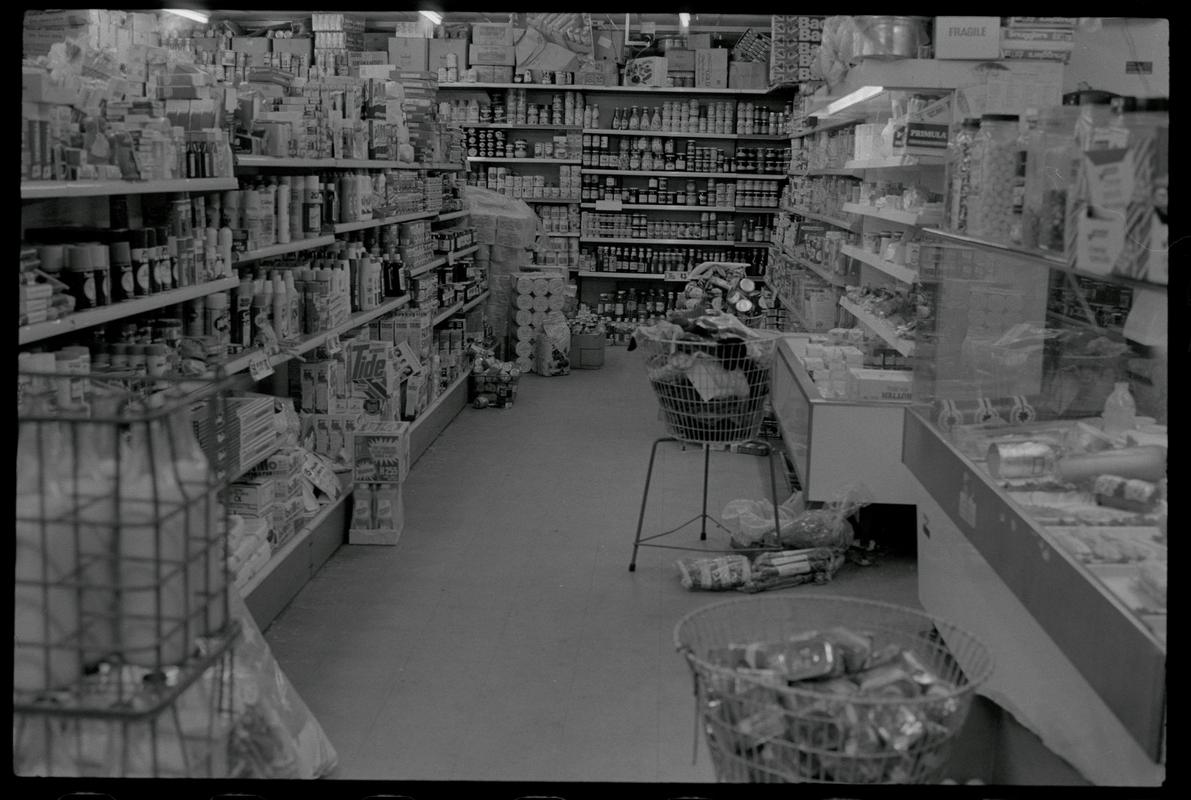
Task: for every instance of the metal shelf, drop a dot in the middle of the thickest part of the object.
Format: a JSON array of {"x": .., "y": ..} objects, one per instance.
[
  {"x": 429, "y": 265},
  {"x": 818, "y": 269},
  {"x": 898, "y": 271},
  {"x": 444, "y": 167},
  {"x": 661, "y": 173},
  {"x": 844, "y": 171},
  {"x": 880, "y": 327},
  {"x": 556, "y": 87},
  {"x": 89, "y": 318},
  {"x": 504, "y": 126},
  {"x": 836, "y": 221},
  {"x": 566, "y": 235},
  {"x": 452, "y": 215},
  {"x": 430, "y": 409},
  {"x": 896, "y": 162},
  {"x": 669, "y": 242},
  {"x": 475, "y": 301},
  {"x": 640, "y": 276},
  {"x": 503, "y": 160},
  {"x": 282, "y": 249},
  {"x": 446, "y": 315},
  {"x": 684, "y": 134},
  {"x": 45, "y": 190},
  {"x": 648, "y": 207},
  {"x": 893, "y": 215},
  {"x": 285, "y": 162},
  {"x": 347, "y": 227}
]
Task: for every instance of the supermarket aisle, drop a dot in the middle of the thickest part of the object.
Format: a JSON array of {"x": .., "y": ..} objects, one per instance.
[{"x": 504, "y": 637}]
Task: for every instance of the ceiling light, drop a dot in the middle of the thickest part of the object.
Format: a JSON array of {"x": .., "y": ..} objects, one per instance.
[
  {"x": 850, "y": 99},
  {"x": 434, "y": 17},
  {"x": 684, "y": 19},
  {"x": 197, "y": 16}
]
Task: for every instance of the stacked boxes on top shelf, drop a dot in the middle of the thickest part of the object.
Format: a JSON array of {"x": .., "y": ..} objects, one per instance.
[{"x": 795, "y": 43}]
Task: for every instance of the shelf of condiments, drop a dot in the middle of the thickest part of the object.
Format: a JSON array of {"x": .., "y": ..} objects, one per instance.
[
  {"x": 893, "y": 252},
  {"x": 658, "y": 190},
  {"x": 637, "y": 304},
  {"x": 1024, "y": 183},
  {"x": 602, "y": 151},
  {"x": 827, "y": 196},
  {"x": 512, "y": 107},
  {"x": 487, "y": 143},
  {"x": 740, "y": 117},
  {"x": 559, "y": 219},
  {"x": 656, "y": 260},
  {"x": 709, "y": 226},
  {"x": 528, "y": 187}
]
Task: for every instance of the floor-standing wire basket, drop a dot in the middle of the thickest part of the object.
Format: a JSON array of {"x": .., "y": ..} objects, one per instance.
[
  {"x": 123, "y": 633},
  {"x": 760, "y": 728},
  {"x": 710, "y": 394}
]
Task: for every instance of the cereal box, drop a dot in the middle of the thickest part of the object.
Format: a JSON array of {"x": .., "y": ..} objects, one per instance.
[{"x": 382, "y": 452}]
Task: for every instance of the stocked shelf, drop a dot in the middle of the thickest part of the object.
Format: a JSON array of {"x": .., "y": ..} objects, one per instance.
[
  {"x": 452, "y": 215},
  {"x": 503, "y": 160},
  {"x": 455, "y": 255},
  {"x": 684, "y": 134},
  {"x": 446, "y": 315},
  {"x": 893, "y": 215},
  {"x": 563, "y": 235},
  {"x": 662, "y": 173},
  {"x": 282, "y": 249},
  {"x": 818, "y": 269},
  {"x": 347, "y": 227},
  {"x": 640, "y": 276},
  {"x": 898, "y": 271},
  {"x": 45, "y": 190},
  {"x": 896, "y": 162},
  {"x": 825, "y": 126},
  {"x": 669, "y": 242},
  {"x": 428, "y": 412},
  {"x": 241, "y": 362},
  {"x": 91, "y": 317},
  {"x": 285, "y": 162},
  {"x": 443, "y": 167},
  {"x": 429, "y": 265},
  {"x": 555, "y": 200},
  {"x": 836, "y": 221},
  {"x": 847, "y": 172},
  {"x": 475, "y": 301},
  {"x": 505, "y": 126},
  {"x": 617, "y": 206},
  {"x": 880, "y": 327},
  {"x": 571, "y": 87},
  {"x": 756, "y": 210},
  {"x": 296, "y": 541}
]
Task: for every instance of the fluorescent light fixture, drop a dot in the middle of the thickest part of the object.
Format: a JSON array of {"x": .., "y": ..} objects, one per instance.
[
  {"x": 434, "y": 17},
  {"x": 850, "y": 99},
  {"x": 684, "y": 19},
  {"x": 197, "y": 16}
]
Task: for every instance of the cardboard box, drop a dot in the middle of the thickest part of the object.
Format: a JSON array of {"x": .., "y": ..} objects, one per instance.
[
  {"x": 409, "y": 53},
  {"x": 492, "y": 33},
  {"x": 253, "y": 45},
  {"x": 377, "y": 40},
  {"x": 711, "y": 68},
  {"x": 880, "y": 384},
  {"x": 609, "y": 45},
  {"x": 440, "y": 48},
  {"x": 698, "y": 41},
  {"x": 378, "y": 515},
  {"x": 748, "y": 75},
  {"x": 968, "y": 38},
  {"x": 680, "y": 60},
  {"x": 649, "y": 71},
  {"x": 300, "y": 47},
  {"x": 493, "y": 55},
  {"x": 382, "y": 452},
  {"x": 488, "y": 74},
  {"x": 598, "y": 73}
]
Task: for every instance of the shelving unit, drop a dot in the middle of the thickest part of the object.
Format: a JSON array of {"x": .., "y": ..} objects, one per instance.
[
  {"x": 502, "y": 160},
  {"x": 452, "y": 215},
  {"x": 596, "y": 206},
  {"x": 563, "y": 235},
  {"x": 46, "y": 190},
  {"x": 818, "y": 269},
  {"x": 730, "y": 176},
  {"x": 347, "y": 227},
  {"x": 847, "y": 172},
  {"x": 553, "y": 200},
  {"x": 555, "y": 87},
  {"x": 836, "y": 221},
  {"x": 284, "y": 162},
  {"x": 880, "y": 327},
  {"x": 685, "y": 134},
  {"x": 896, "y": 162},
  {"x": 914, "y": 218},
  {"x": 640, "y": 276},
  {"x": 475, "y": 301},
  {"x": 281, "y": 249},
  {"x": 670, "y": 242},
  {"x": 91, "y": 317},
  {"x": 506, "y": 126},
  {"x": 898, "y": 271}
]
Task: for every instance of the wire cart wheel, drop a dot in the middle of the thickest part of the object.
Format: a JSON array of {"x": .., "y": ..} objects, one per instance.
[{"x": 761, "y": 731}]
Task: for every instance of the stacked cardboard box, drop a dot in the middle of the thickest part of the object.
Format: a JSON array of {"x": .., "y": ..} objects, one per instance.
[
  {"x": 536, "y": 295},
  {"x": 1038, "y": 38},
  {"x": 795, "y": 43}
]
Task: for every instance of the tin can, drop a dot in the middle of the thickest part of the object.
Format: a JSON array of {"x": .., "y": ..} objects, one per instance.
[{"x": 1021, "y": 460}]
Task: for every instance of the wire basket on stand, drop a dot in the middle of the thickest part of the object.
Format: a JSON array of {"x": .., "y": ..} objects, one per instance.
[
  {"x": 870, "y": 725},
  {"x": 123, "y": 633}
]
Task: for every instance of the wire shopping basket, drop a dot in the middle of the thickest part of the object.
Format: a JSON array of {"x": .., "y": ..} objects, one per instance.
[
  {"x": 121, "y": 578},
  {"x": 710, "y": 392},
  {"x": 759, "y": 727}
]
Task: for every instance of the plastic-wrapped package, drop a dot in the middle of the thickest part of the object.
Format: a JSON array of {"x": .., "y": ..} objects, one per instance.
[
  {"x": 827, "y": 526},
  {"x": 751, "y": 520},
  {"x": 714, "y": 574}
]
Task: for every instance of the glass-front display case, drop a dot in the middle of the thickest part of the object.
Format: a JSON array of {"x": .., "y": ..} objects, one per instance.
[{"x": 1039, "y": 430}]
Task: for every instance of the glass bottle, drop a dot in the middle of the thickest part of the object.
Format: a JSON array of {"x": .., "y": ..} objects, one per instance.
[
  {"x": 1020, "y": 167},
  {"x": 635, "y": 119}
]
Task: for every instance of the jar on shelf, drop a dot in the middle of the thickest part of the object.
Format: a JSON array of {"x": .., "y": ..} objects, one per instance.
[
  {"x": 960, "y": 174},
  {"x": 1052, "y": 160},
  {"x": 990, "y": 205}
]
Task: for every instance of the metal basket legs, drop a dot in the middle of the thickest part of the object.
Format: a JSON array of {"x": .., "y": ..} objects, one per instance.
[{"x": 703, "y": 517}]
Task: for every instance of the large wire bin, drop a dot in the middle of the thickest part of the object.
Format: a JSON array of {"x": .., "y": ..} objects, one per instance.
[
  {"x": 121, "y": 578},
  {"x": 710, "y": 392},
  {"x": 763, "y": 730}
]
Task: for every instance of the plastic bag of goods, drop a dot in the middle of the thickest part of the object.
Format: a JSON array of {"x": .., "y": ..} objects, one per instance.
[
  {"x": 500, "y": 220},
  {"x": 827, "y": 526},
  {"x": 786, "y": 568},
  {"x": 714, "y": 574},
  {"x": 749, "y": 521},
  {"x": 553, "y": 346}
]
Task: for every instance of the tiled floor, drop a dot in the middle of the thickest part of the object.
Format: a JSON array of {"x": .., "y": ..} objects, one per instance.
[{"x": 504, "y": 638}]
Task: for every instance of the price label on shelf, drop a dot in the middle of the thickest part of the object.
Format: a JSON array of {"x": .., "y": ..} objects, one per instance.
[
  {"x": 259, "y": 367},
  {"x": 676, "y": 275},
  {"x": 333, "y": 344}
]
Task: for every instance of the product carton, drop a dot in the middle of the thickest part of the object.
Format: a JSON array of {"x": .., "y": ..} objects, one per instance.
[
  {"x": 408, "y": 53},
  {"x": 711, "y": 68},
  {"x": 649, "y": 71},
  {"x": 698, "y": 41},
  {"x": 300, "y": 47},
  {"x": 250, "y": 496},
  {"x": 597, "y": 73},
  {"x": 496, "y": 55},
  {"x": 970, "y": 38},
  {"x": 680, "y": 60},
  {"x": 382, "y": 452},
  {"x": 879, "y": 384},
  {"x": 748, "y": 75},
  {"x": 378, "y": 515},
  {"x": 253, "y": 45},
  {"x": 441, "y": 48},
  {"x": 492, "y": 33}
]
